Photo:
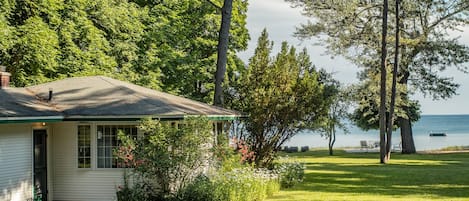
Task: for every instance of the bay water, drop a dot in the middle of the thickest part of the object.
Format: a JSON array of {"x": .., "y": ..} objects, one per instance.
[{"x": 456, "y": 128}]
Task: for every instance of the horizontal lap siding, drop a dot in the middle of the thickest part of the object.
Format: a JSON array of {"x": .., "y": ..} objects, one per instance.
[
  {"x": 15, "y": 162},
  {"x": 72, "y": 183}
]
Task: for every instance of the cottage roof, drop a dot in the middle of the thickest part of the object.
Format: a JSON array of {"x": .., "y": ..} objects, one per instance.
[{"x": 99, "y": 97}]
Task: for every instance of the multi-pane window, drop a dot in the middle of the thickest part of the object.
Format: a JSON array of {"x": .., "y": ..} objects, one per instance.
[
  {"x": 84, "y": 146},
  {"x": 107, "y": 142}
]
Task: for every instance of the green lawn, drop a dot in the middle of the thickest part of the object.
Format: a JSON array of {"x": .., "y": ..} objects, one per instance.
[{"x": 361, "y": 177}]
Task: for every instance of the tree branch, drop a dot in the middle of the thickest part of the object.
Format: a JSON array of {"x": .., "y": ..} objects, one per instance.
[
  {"x": 438, "y": 21},
  {"x": 214, "y": 5}
]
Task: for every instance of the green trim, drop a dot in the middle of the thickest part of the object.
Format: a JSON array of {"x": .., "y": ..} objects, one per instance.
[
  {"x": 168, "y": 118},
  {"x": 212, "y": 118},
  {"x": 220, "y": 117},
  {"x": 118, "y": 119},
  {"x": 223, "y": 118},
  {"x": 29, "y": 121}
]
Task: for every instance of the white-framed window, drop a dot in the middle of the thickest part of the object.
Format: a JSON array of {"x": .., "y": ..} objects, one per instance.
[
  {"x": 84, "y": 146},
  {"x": 107, "y": 142}
]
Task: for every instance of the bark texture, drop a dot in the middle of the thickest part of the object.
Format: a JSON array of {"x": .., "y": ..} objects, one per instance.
[{"x": 222, "y": 51}]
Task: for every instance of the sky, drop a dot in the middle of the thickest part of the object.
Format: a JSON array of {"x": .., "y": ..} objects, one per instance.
[{"x": 280, "y": 20}]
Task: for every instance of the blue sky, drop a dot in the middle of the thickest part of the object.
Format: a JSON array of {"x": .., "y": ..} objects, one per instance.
[{"x": 280, "y": 20}]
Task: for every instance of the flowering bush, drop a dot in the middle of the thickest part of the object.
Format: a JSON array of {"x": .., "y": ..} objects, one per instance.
[
  {"x": 166, "y": 158},
  {"x": 245, "y": 184},
  {"x": 125, "y": 154},
  {"x": 290, "y": 172},
  {"x": 201, "y": 189},
  {"x": 243, "y": 149}
]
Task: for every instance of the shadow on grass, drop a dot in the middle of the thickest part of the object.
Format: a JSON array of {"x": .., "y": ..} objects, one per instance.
[{"x": 439, "y": 175}]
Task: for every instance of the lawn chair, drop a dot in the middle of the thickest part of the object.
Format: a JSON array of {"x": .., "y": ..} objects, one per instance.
[
  {"x": 397, "y": 147},
  {"x": 364, "y": 144}
]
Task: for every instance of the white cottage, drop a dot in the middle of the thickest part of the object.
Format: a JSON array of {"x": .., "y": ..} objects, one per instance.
[{"x": 56, "y": 139}]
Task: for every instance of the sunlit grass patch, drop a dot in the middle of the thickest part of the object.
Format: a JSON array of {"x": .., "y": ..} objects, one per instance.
[{"x": 361, "y": 177}]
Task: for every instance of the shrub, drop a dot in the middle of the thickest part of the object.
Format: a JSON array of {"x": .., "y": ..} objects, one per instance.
[
  {"x": 201, "y": 189},
  {"x": 246, "y": 184},
  {"x": 290, "y": 172},
  {"x": 168, "y": 157},
  {"x": 241, "y": 184},
  {"x": 127, "y": 192},
  {"x": 167, "y": 160},
  {"x": 236, "y": 179}
]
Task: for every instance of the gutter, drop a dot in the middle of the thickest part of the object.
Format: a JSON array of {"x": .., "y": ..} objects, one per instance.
[
  {"x": 6, "y": 120},
  {"x": 138, "y": 117}
]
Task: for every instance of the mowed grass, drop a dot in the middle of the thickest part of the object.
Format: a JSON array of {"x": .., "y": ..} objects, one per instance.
[{"x": 347, "y": 176}]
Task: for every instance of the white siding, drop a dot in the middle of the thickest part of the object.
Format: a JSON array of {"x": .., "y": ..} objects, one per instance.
[
  {"x": 72, "y": 183},
  {"x": 15, "y": 162}
]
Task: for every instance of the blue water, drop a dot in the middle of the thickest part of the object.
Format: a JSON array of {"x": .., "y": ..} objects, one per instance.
[{"x": 455, "y": 126}]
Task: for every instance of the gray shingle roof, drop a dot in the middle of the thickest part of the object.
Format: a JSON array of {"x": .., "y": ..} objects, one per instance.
[{"x": 100, "y": 97}]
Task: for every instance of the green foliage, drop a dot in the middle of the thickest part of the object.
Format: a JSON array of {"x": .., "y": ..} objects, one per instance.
[
  {"x": 201, "y": 189},
  {"x": 367, "y": 96},
  {"x": 36, "y": 54},
  {"x": 246, "y": 184},
  {"x": 243, "y": 184},
  {"x": 351, "y": 28},
  {"x": 282, "y": 95},
  {"x": 170, "y": 161},
  {"x": 127, "y": 192},
  {"x": 290, "y": 172},
  {"x": 227, "y": 158},
  {"x": 359, "y": 176},
  {"x": 6, "y": 38},
  {"x": 166, "y": 45},
  {"x": 169, "y": 156}
]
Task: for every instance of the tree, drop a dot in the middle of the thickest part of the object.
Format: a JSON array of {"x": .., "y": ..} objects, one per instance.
[
  {"x": 57, "y": 39},
  {"x": 338, "y": 111},
  {"x": 281, "y": 95},
  {"x": 382, "y": 100},
  {"x": 390, "y": 122},
  {"x": 181, "y": 42},
  {"x": 222, "y": 51},
  {"x": 350, "y": 29},
  {"x": 166, "y": 45}
]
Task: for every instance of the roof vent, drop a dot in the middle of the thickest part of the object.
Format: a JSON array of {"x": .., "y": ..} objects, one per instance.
[{"x": 50, "y": 94}]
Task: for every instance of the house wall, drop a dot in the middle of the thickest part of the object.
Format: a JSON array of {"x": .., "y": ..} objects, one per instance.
[
  {"x": 15, "y": 162},
  {"x": 71, "y": 182}
]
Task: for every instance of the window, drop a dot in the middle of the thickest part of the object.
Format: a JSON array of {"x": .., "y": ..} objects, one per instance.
[
  {"x": 108, "y": 142},
  {"x": 84, "y": 147}
]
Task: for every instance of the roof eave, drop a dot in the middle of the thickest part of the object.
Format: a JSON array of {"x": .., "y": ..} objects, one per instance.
[
  {"x": 138, "y": 117},
  {"x": 6, "y": 120}
]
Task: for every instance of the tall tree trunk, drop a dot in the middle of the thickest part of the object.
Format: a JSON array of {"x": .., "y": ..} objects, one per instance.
[
  {"x": 331, "y": 140},
  {"x": 408, "y": 146},
  {"x": 222, "y": 51},
  {"x": 382, "y": 107},
  {"x": 393, "y": 88},
  {"x": 407, "y": 139}
]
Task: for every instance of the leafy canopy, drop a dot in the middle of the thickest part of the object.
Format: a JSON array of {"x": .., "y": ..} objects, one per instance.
[
  {"x": 281, "y": 94},
  {"x": 167, "y": 45}
]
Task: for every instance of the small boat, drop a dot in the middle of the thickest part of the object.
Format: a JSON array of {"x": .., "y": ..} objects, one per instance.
[{"x": 437, "y": 134}]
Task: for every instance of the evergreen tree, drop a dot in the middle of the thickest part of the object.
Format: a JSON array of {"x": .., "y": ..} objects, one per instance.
[{"x": 281, "y": 95}]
